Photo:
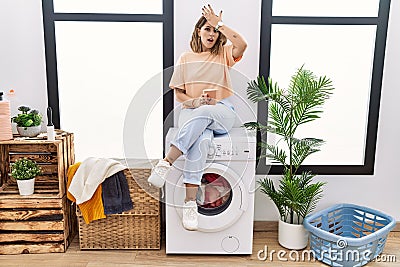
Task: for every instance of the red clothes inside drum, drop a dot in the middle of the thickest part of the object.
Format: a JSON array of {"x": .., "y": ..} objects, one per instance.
[{"x": 214, "y": 191}]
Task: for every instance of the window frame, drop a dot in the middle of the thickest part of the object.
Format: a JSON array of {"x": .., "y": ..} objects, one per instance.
[
  {"x": 381, "y": 21},
  {"x": 166, "y": 18}
]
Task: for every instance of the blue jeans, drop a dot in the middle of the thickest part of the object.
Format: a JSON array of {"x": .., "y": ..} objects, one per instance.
[{"x": 196, "y": 131}]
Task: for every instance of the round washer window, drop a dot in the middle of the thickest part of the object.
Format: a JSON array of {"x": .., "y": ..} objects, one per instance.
[{"x": 214, "y": 194}]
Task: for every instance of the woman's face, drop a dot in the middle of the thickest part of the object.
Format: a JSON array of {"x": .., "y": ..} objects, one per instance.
[{"x": 208, "y": 36}]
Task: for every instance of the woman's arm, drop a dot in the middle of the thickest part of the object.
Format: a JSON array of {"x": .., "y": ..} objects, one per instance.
[
  {"x": 239, "y": 44},
  {"x": 181, "y": 96}
]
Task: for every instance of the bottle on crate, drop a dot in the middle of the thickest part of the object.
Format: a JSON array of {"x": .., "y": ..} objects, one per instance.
[
  {"x": 5, "y": 119},
  {"x": 14, "y": 104}
]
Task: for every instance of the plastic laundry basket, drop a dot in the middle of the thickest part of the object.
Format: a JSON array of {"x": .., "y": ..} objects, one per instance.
[{"x": 347, "y": 234}]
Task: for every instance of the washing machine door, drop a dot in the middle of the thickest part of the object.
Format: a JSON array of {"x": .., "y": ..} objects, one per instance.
[{"x": 235, "y": 201}]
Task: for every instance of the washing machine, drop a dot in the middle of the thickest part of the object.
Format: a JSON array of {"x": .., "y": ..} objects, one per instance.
[{"x": 225, "y": 199}]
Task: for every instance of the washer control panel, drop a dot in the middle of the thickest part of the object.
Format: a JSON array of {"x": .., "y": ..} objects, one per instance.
[
  {"x": 232, "y": 151},
  {"x": 238, "y": 145}
]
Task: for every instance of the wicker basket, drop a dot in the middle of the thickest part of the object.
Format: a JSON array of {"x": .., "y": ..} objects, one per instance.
[{"x": 138, "y": 228}]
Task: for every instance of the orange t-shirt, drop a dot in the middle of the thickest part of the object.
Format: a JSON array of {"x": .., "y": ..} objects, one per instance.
[{"x": 195, "y": 72}]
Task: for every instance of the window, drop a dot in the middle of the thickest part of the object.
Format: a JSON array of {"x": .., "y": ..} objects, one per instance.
[
  {"x": 326, "y": 8},
  {"x": 345, "y": 44},
  {"x": 100, "y": 56},
  {"x": 107, "y": 6}
]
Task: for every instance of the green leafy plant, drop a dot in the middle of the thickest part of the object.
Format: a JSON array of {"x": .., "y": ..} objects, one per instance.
[
  {"x": 296, "y": 196},
  {"x": 27, "y": 117},
  {"x": 25, "y": 169}
]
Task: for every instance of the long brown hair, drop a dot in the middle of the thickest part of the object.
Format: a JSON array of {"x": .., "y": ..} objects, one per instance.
[{"x": 195, "y": 43}]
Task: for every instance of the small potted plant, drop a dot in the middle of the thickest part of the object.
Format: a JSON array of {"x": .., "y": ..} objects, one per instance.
[
  {"x": 24, "y": 171},
  {"x": 28, "y": 122}
]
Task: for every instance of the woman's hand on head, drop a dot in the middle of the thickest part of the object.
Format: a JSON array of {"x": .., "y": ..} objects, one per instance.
[{"x": 210, "y": 15}]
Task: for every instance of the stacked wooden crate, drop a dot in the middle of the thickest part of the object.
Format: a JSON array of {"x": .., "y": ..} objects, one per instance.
[{"x": 45, "y": 221}]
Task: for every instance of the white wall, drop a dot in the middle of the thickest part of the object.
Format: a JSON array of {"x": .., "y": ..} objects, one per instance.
[
  {"x": 22, "y": 68},
  {"x": 22, "y": 59}
]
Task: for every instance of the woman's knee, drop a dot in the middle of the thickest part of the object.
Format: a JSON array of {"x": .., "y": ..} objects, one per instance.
[{"x": 204, "y": 111}]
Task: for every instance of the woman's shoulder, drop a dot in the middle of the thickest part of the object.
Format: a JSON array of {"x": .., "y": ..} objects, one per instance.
[
  {"x": 186, "y": 53},
  {"x": 190, "y": 56},
  {"x": 186, "y": 56},
  {"x": 191, "y": 53}
]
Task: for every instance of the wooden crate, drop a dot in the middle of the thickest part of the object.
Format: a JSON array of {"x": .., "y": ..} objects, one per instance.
[
  {"x": 29, "y": 225},
  {"x": 54, "y": 158},
  {"x": 138, "y": 228},
  {"x": 45, "y": 221}
]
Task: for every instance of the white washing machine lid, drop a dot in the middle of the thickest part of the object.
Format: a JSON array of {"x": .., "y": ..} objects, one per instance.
[
  {"x": 236, "y": 135},
  {"x": 223, "y": 220}
]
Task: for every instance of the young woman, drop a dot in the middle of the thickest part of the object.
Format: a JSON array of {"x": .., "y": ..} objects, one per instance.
[{"x": 203, "y": 114}]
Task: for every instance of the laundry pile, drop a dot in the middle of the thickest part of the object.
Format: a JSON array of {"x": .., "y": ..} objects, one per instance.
[
  {"x": 214, "y": 191},
  {"x": 99, "y": 188}
]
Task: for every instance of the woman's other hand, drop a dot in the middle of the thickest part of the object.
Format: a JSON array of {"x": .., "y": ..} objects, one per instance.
[
  {"x": 208, "y": 100},
  {"x": 200, "y": 101},
  {"x": 195, "y": 102}
]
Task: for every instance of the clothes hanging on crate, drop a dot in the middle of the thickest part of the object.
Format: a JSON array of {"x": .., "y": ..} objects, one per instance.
[
  {"x": 92, "y": 209},
  {"x": 116, "y": 197},
  {"x": 106, "y": 177},
  {"x": 90, "y": 174}
]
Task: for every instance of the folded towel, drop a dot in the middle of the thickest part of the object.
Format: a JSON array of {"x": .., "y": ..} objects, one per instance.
[
  {"x": 116, "y": 197},
  {"x": 93, "y": 208},
  {"x": 90, "y": 174}
]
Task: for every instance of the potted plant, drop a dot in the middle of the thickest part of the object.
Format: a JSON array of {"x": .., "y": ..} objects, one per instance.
[
  {"x": 297, "y": 195},
  {"x": 24, "y": 171},
  {"x": 28, "y": 122}
]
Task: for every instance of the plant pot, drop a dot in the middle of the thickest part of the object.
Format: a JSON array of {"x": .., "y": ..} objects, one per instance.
[
  {"x": 292, "y": 236},
  {"x": 29, "y": 131},
  {"x": 26, "y": 187}
]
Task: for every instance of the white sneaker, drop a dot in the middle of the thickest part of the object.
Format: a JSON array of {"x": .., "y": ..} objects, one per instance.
[
  {"x": 159, "y": 173},
  {"x": 190, "y": 215}
]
